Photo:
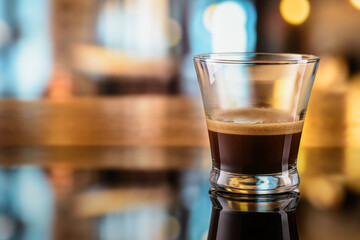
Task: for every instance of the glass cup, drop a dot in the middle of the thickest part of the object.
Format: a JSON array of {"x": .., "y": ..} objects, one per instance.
[
  {"x": 235, "y": 216},
  {"x": 255, "y": 106}
]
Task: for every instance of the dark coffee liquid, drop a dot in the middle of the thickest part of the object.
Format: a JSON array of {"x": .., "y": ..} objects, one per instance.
[
  {"x": 254, "y": 141},
  {"x": 234, "y": 225}
]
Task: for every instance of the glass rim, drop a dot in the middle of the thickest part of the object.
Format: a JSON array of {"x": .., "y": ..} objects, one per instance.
[{"x": 278, "y": 58}]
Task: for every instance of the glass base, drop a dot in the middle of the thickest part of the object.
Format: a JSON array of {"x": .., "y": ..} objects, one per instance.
[{"x": 254, "y": 184}]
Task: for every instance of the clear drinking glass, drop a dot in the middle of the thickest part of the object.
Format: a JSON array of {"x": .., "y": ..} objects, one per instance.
[
  {"x": 240, "y": 216},
  {"x": 255, "y": 106}
]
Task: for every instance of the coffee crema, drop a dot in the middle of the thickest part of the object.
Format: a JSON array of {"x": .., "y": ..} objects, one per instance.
[{"x": 254, "y": 141}]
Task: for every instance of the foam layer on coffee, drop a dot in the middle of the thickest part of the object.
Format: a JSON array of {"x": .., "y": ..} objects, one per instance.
[{"x": 254, "y": 121}]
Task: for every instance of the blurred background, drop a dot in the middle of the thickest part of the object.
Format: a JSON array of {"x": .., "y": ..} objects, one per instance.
[{"x": 56, "y": 50}]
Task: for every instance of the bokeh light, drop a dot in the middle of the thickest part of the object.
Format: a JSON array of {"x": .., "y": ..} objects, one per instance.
[
  {"x": 355, "y": 3},
  {"x": 295, "y": 12},
  {"x": 333, "y": 71},
  {"x": 352, "y": 169},
  {"x": 208, "y": 16},
  {"x": 324, "y": 192},
  {"x": 175, "y": 32},
  {"x": 225, "y": 26},
  {"x": 136, "y": 28},
  {"x": 228, "y": 28}
]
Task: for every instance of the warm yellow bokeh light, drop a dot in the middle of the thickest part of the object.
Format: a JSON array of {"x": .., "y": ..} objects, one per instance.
[
  {"x": 207, "y": 17},
  {"x": 355, "y": 3},
  {"x": 295, "y": 11}
]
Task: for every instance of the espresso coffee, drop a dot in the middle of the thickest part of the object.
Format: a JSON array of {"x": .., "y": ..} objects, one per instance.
[{"x": 254, "y": 141}]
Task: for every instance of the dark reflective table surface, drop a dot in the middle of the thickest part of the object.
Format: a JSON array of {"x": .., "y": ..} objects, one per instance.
[{"x": 87, "y": 192}]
